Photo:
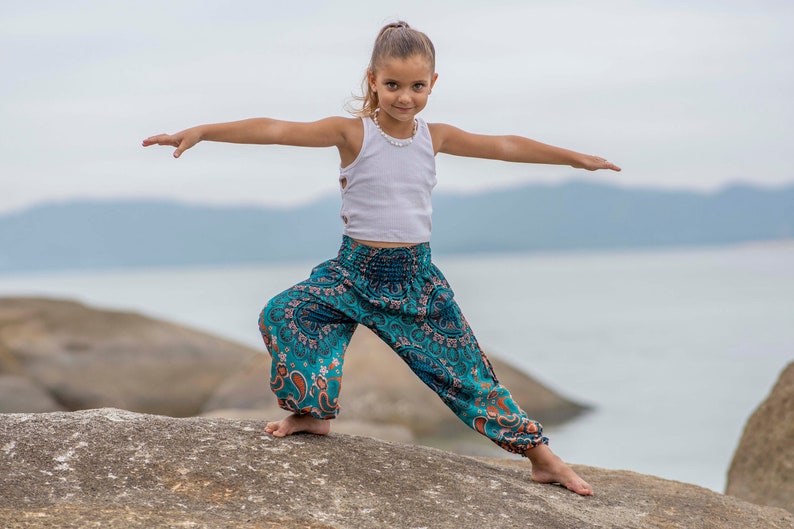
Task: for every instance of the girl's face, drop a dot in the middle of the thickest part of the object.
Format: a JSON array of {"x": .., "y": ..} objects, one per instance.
[{"x": 403, "y": 86}]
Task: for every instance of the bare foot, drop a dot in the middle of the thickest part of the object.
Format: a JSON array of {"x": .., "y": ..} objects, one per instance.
[
  {"x": 547, "y": 467},
  {"x": 298, "y": 423}
]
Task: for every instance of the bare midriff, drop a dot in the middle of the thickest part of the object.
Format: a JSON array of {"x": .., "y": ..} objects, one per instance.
[{"x": 382, "y": 244}]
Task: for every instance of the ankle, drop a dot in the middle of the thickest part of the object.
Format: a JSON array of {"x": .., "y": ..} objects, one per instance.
[{"x": 541, "y": 455}]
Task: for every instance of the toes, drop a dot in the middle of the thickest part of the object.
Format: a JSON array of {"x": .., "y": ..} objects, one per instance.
[
  {"x": 284, "y": 429},
  {"x": 274, "y": 428},
  {"x": 294, "y": 424},
  {"x": 580, "y": 487},
  {"x": 583, "y": 491}
]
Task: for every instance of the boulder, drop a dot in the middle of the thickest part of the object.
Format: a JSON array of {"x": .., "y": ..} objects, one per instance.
[
  {"x": 88, "y": 358},
  {"x": 379, "y": 388},
  {"x": 762, "y": 470},
  {"x": 18, "y": 393},
  {"x": 116, "y": 469}
]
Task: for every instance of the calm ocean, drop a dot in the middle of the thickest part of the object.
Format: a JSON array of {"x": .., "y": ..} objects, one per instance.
[{"x": 673, "y": 348}]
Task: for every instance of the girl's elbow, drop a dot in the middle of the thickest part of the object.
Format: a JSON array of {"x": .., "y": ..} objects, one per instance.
[{"x": 509, "y": 149}]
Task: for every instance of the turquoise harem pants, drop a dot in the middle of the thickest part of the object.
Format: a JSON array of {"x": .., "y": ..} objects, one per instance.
[{"x": 400, "y": 295}]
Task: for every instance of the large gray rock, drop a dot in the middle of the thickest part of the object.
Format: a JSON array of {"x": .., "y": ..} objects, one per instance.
[
  {"x": 762, "y": 470},
  {"x": 114, "y": 469},
  {"x": 88, "y": 358},
  {"x": 379, "y": 388},
  {"x": 18, "y": 393}
]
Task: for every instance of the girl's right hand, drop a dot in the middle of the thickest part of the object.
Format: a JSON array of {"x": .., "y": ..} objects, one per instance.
[
  {"x": 181, "y": 140},
  {"x": 593, "y": 163}
]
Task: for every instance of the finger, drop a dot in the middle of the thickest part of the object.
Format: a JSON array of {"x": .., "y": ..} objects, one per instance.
[
  {"x": 603, "y": 163},
  {"x": 160, "y": 139},
  {"x": 180, "y": 148},
  {"x": 152, "y": 140},
  {"x": 606, "y": 164}
]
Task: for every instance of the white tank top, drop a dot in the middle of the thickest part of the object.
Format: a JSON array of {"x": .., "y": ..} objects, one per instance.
[{"x": 386, "y": 191}]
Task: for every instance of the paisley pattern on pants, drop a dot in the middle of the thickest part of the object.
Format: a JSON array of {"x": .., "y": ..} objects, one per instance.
[{"x": 400, "y": 295}]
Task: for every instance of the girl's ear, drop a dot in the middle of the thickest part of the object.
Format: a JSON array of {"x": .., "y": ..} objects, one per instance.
[
  {"x": 433, "y": 81},
  {"x": 371, "y": 81}
]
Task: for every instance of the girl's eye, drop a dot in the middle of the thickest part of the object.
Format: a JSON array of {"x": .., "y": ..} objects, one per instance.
[
  {"x": 419, "y": 86},
  {"x": 391, "y": 86}
]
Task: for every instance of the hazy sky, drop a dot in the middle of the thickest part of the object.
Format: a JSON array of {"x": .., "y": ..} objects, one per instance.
[{"x": 690, "y": 95}]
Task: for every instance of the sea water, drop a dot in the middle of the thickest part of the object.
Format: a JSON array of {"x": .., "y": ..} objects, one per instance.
[{"x": 672, "y": 348}]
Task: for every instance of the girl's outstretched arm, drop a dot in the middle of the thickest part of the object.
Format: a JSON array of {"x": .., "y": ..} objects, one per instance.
[
  {"x": 329, "y": 132},
  {"x": 452, "y": 140}
]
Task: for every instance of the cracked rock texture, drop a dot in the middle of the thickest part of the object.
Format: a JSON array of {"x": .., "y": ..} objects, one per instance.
[{"x": 116, "y": 469}]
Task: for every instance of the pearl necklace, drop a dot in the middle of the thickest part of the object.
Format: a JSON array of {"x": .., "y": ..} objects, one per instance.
[{"x": 394, "y": 141}]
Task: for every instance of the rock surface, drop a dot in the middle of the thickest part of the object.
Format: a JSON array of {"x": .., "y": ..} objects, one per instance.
[
  {"x": 762, "y": 470},
  {"x": 116, "y": 469},
  {"x": 87, "y": 358}
]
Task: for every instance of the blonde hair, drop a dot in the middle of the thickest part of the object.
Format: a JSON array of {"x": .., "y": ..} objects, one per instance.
[{"x": 397, "y": 40}]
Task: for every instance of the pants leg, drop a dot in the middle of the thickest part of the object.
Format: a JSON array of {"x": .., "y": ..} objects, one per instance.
[
  {"x": 306, "y": 337},
  {"x": 442, "y": 350}
]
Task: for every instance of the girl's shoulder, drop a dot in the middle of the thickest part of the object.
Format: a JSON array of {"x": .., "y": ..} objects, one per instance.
[
  {"x": 438, "y": 128},
  {"x": 352, "y": 127},
  {"x": 440, "y": 133},
  {"x": 441, "y": 129},
  {"x": 348, "y": 126},
  {"x": 333, "y": 130},
  {"x": 352, "y": 132}
]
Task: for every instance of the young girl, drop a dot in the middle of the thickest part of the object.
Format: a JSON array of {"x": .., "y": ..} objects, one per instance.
[{"x": 383, "y": 276}]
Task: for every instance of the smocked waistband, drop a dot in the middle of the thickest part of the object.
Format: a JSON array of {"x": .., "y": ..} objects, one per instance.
[{"x": 394, "y": 263}]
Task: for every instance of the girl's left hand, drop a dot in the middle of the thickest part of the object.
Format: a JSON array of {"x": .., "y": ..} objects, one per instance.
[
  {"x": 593, "y": 163},
  {"x": 181, "y": 140}
]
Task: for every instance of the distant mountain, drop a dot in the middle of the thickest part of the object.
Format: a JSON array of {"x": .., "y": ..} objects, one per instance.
[
  {"x": 577, "y": 215},
  {"x": 582, "y": 215}
]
